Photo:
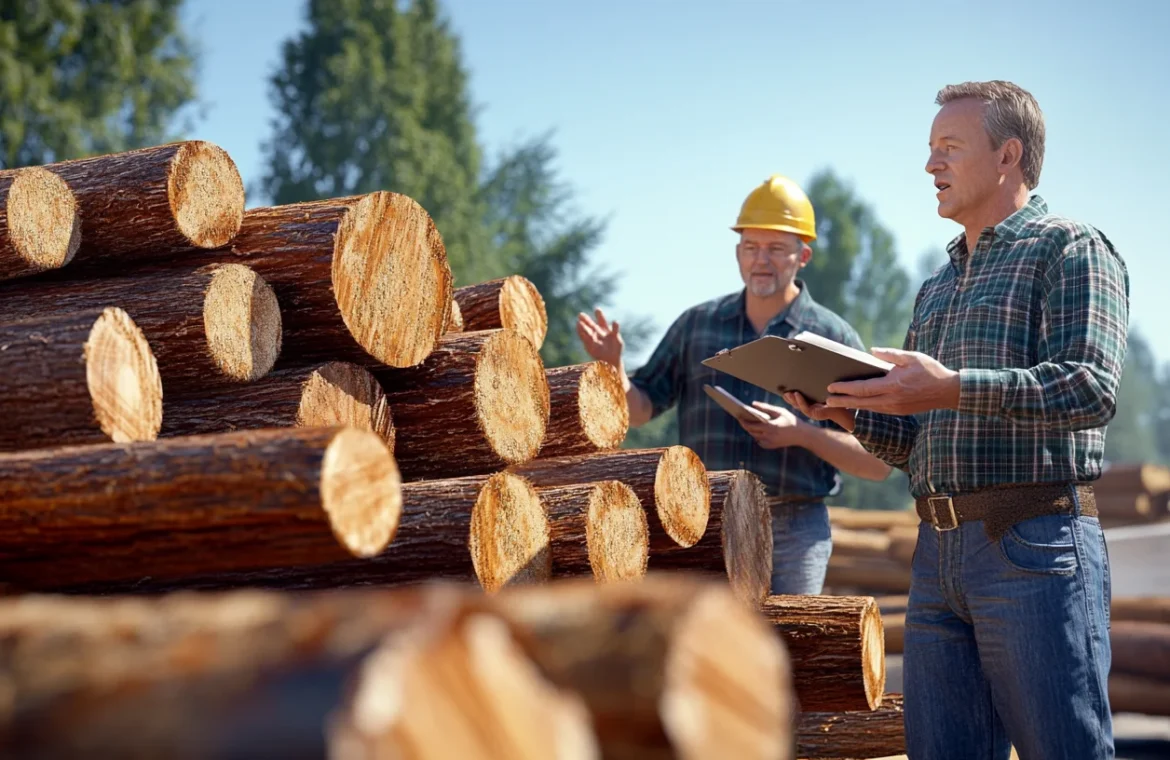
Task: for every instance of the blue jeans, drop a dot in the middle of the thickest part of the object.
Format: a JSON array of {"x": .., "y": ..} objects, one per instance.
[
  {"x": 1007, "y": 643},
  {"x": 801, "y": 545}
]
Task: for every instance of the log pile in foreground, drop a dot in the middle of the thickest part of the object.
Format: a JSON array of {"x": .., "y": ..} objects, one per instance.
[
  {"x": 588, "y": 410},
  {"x": 512, "y": 302},
  {"x": 853, "y": 733},
  {"x": 40, "y": 227}
]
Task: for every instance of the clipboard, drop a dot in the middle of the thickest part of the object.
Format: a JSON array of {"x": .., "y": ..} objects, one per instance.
[
  {"x": 806, "y": 362},
  {"x": 732, "y": 405}
]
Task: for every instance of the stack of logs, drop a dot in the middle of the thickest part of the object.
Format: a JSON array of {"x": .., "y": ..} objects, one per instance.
[
  {"x": 1133, "y": 494},
  {"x": 273, "y": 406}
]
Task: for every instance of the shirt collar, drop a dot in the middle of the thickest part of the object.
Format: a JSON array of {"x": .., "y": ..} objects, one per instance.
[
  {"x": 1009, "y": 229},
  {"x": 735, "y": 305}
]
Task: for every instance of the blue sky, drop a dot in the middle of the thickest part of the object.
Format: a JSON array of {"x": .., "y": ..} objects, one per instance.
[{"x": 666, "y": 113}]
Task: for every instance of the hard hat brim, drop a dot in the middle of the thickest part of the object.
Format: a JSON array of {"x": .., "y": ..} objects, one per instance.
[{"x": 805, "y": 236}]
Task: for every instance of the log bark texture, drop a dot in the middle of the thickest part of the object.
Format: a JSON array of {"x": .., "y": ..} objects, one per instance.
[
  {"x": 737, "y": 543},
  {"x": 327, "y": 395},
  {"x": 861, "y": 543},
  {"x": 837, "y": 649},
  {"x": 597, "y": 529},
  {"x": 588, "y": 410},
  {"x": 77, "y": 378},
  {"x": 153, "y": 203},
  {"x": 185, "y": 676},
  {"x": 207, "y": 326},
  {"x": 668, "y": 667},
  {"x": 853, "y": 734},
  {"x": 479, "y": 403},
  {"x": 91, "y": 518},
  {"x": 40, "y": 227},
  {"x": 512, "y": 302},
  {"x": 671, "y": 483},
  {"x": 1141, "y": 648},
  {"x": 458, "y": 686}
]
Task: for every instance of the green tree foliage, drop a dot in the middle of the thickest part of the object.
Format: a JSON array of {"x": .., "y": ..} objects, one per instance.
[
  {"x": 84, "y": 77},
  {"x": 1133, "y": 433}
]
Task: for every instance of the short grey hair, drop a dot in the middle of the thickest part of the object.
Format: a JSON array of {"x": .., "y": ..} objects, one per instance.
[{"x": 1011, "y": 111}]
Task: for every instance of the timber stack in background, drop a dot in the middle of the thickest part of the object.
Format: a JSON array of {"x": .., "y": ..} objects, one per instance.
[{"x": 221, "y": 420}]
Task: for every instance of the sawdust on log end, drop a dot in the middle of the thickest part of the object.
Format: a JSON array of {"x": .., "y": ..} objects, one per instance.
[
  {"x": 340, "y": 393},
  {"x": 511, "y": 396},
  {"x": 241, "y": 317},
  {"x": 39, "y": 222},
  {"x": 206, "y": 194},
  {"x": 588, "y": 410},
  {"x": 361, "y": 491},
  {"x": 873, "y": 653},
  {"x": 682, "y": 495},
  {"x": 512, "y": 302},
  {"x": 746, "y": 534},
  {"x": 509, "y": 540},
  {"x": 391, "y": 278},
  {"x": 123, "y": 379},
  {"x": 616, "y": 532}
]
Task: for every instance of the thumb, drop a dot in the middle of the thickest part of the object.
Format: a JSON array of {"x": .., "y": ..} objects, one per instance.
[{"x": 893, "y": 355}]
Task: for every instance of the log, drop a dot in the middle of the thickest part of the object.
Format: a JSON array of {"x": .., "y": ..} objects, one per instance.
[
  {"x": 597, "y": 529},
  {"x": 672, "y": 479},
  {"x": 77, "y": 378},
  {"x": 588, "y": 410},
  {"x": 894, "y": 624},
  {"x": 479, "y": 403},
  {"x": 871, "y": 519},
  {"x": 1133, "y": 478},
  {"x": 327, "y": 395},
  {"x": 458, "y": 686},
  {"x": 87, "y": 518},
  {"x": 737, "y": 543},
  {"x": 454, "y": 319},
  {"x": 512, "y": 302},
  {"x": 1138, "y": 694},
  {"x": 837, "y": 649},
  {"x": 152, "y": 203},
  {"x": 1127, "y": 505},
  {"x": 668, "y": 666},
  {"x": 40, "y": 227},
  {"x": 860, "y": 543},
  {"x": 1141, "y": 648},
  {"x": 903, "y": 542},
  {"x": 1155, "y": 609},
  {"x": 855, "y": 733},
  {"x": 240, "y": 674},
  {"x": 207, "y": 326},
  {"x": 878, "y": 574}
]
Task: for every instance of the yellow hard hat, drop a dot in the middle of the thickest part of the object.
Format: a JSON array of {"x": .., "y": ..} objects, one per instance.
[{"x": 778, "y": 204}]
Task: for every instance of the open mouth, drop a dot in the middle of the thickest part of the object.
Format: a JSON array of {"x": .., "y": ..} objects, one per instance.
[{"x": 940, "y": 186}]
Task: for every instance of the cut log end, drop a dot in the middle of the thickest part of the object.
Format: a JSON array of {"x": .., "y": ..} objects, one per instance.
[
  {"x": 510, "y": 536},
  {"x": 511, "y": 396},
  {"x": 391, "y": 278},
  {"x": 617, "y": 533},
  {"x": 682, "y": 495},
  {"x": 605, "y": 416},
  {"x": 728, "y": 680},
  {"x": 241, "y": 317},
  {"x": 206, "y": 194},
  {"x": 340, "y": 393},
  {"x": 361, "y": 491},
  {"x": 44, "y": 227},
  {"x": 454, "y": 319},
  {"x": 873, "y": 654},
  {"x": 522, "y": 309},
  {"x": 123, "y": 379},
  {"x": 747, "y": 536}
]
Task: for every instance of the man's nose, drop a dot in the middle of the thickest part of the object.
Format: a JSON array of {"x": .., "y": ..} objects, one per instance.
[{"x": 933, "y": 163}]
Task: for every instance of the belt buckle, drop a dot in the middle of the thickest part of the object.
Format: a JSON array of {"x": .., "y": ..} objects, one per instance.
[{"x": 931, "y": 502}]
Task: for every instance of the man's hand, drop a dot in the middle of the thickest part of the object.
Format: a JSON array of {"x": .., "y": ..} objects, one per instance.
[
  {"x": 601, "y": 340},
  {"x": 917, "y": 383},
  {"x": 783, "y": 429},
  {"x": 815, "y": 411}
]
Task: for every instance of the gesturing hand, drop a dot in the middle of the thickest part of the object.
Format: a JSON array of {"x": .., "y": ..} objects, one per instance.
[{"x": 600, "y": 339}]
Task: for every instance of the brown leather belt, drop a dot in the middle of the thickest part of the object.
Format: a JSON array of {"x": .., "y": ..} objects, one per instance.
[{"x": 1002, "y": 507}]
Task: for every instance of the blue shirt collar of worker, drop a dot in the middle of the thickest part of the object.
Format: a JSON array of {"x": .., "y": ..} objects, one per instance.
[
  {"x": 1007, "y": 230},
  {"x": 734, "y": 306}
]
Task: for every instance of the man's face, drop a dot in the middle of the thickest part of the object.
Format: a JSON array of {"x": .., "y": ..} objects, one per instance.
[
  {"x": 769, "y": 260},
  {"x": 964, "y": 165}
]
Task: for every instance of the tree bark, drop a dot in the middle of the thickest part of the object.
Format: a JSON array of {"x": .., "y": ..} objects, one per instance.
[
  {"x": 77, "y": 378},
  {"x": 667, "y": 666},
  {"x": 467, "y": 669},
  {"x": 737, "y": 543},
  {"x": 588, "y": 410},
  {"x": 1141, "y": 648},
  {"x": 479, "y": 403},
  {"x": 597, "y": 529},
  {"x": 670, "y": 482},
  {"x": 208, "y": 326},
  {"x": 40, "y": 228},
  {"x": 454, "y": 319},
  {"x": 152, "y": 203},
  {"x": 327, "y": 395},
  {"x": 512, "y": 302},
  {"x": 91, "y": 518},
  {"x": 837, "y": 650},
  {"x": 185, "y": 676},
  {"x": 857, "y": 733}
]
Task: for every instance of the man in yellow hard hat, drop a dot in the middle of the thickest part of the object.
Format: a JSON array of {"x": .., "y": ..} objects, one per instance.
[{"x": 798, "y": 459}]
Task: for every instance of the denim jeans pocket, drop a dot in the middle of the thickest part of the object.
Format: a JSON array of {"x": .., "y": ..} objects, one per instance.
[{"x": 1045, "y": 545}]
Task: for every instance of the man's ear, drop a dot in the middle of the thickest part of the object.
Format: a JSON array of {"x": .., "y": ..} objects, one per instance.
[
  {"x": 805, "y": 255},
  {"x": 1011, "y": 153}
]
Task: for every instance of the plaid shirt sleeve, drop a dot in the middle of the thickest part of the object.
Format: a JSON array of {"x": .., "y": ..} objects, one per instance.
[
  {"x": 660, "y": 378},
  {"x": 1082, "y": 346}
]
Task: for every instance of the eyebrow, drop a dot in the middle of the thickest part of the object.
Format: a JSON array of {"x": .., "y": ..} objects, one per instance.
[{"x": 946, "y": 138}]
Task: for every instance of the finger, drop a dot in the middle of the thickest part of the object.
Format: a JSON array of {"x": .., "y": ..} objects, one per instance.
[
  {"x": 583, "y": 319},
  {"x": 867, "y": 403},
  {"x": 592, "y": 330},
  {"x": 863, "y": 388},
  {"x": 615, "y": 329},
  {"x": 601, "y": 319},
  {"x": 894, "y": 356},
  {"x": 771, "y": 411}
]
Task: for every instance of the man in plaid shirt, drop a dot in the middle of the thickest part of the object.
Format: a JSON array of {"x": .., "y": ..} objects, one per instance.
[
  {"x": 797, "y": 459},
  {"x": 997, "y": 408}
]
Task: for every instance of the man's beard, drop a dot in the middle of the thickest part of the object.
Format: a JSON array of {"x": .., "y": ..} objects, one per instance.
[{"x": 761, "y": 288}]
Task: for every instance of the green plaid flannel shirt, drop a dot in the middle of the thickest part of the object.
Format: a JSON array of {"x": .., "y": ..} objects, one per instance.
[
  {"x": 1035, "y": 321},
  {"x": 674, "y": 375}
]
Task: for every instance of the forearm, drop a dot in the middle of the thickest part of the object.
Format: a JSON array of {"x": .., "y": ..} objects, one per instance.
[
  {"x": 641, "y": 408},
  {"x": 1065, "y": 396},
  {"x": 844, "y": 451},
  {"x": 888, "y": 437}
]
